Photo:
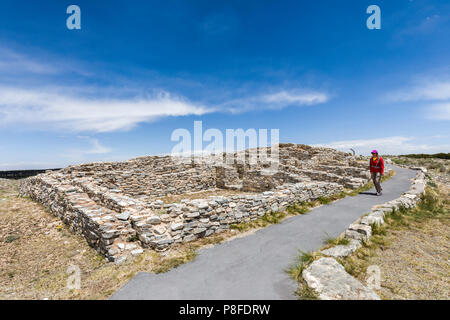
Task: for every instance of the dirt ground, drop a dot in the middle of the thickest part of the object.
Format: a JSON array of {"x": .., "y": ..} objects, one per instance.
[
  {"x": 416, "y": 263},
  {"x": 203, "y": 195},
  {"x": 36, "y": 249}
]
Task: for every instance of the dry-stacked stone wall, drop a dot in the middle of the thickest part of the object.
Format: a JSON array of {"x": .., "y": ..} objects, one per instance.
[{"x": 121, "y": 207}]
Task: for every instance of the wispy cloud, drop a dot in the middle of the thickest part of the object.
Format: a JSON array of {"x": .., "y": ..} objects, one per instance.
[
  {"x": 435, "y": 94},
  {"x": 47, "y": 102},
  {"x": 62, "y": 110},
  {"x": 424, "y": 26},
  {"x": 426, "y": 90},
  {"x": 76, "y": 111},
  {"x": 387, "y": 145},
  {"x": 37, "y": 65},
  {"x": 440, "y": 111},
  {"x": 276, "y": 100},
  {"x": 13, "y": 61}
]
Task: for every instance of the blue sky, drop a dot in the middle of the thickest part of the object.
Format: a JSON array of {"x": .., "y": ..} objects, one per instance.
[{"x": 138, "y": 70}]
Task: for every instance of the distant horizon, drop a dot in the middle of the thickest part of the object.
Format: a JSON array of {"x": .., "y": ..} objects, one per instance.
[{"x": 168, "y": 154}]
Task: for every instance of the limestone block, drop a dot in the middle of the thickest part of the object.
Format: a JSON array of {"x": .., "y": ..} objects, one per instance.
[
  {"x": 331, "y": 282},
  {"x": 342, "y": 250}
]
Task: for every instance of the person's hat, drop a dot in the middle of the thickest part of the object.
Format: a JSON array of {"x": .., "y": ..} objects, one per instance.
[{"x": 374, "y": 151}]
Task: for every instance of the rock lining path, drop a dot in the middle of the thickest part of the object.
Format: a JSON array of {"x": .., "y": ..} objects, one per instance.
[{"x": 253, "y": 267}]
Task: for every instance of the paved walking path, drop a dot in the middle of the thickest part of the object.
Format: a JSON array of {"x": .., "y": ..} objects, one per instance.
[{"x": 253, "y": 267}]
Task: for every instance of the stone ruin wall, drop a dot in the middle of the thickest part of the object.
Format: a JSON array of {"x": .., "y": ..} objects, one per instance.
[
  {"x": 114, "y": 203},
  {"x": 147, "y": 177}
]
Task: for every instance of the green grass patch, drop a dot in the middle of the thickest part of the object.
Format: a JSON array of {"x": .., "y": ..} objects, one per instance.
[
  {"x": 432, "y": 184},
  {"x": 337, "y": 241},
  {"x": 324, "y": 200},
  {"x": 165, "y": 264},
  {"x": 273, "y": 217},
  {"x": 303, "y": 259},
  {"x": 427, "y": 156},
  {"x": 338, "y": 196},
  {"x": 380, "y": 240},
  {"x": 133, "y": 238},
  {"x": 268, "y": 218},
  {"x": 304, "y": 292},
  {"x": 299, "y": 208},
  {"x": 378, "y": 229},
  {"x": 11, "y": 238}
]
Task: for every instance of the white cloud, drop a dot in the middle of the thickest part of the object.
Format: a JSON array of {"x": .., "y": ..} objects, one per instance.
[
  {"x": 12, "y": 61},
  {"x": 387, "y": 145},
  {"x": 106, "y": 109},
  {"x": 35, "y": 65},
  {"x": 62, "y": 110},
  {"x": 436, "y": 90},
  {"x": 439, "y": 111},
  {"x": 276, "y": 100},
  {"x": 286, "y": 97},
  {"x": 427, "y": 92},
  {"x": 79, "y": 111}
]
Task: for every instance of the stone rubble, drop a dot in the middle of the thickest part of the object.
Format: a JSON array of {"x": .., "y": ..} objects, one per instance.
[{"x": 114, "y": 204}]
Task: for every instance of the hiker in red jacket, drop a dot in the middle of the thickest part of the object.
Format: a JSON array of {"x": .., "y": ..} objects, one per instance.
[{"x": 376, "y": 170}]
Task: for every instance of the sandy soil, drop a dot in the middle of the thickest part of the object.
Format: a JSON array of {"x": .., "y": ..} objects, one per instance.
[{"x": 416, "y": 263}]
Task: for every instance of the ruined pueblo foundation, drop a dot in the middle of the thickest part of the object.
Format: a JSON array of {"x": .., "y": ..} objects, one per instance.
[{"x": 158, "y": 201}]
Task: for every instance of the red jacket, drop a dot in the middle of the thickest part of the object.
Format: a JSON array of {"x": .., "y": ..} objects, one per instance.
[{"x": 377, "y": 166}]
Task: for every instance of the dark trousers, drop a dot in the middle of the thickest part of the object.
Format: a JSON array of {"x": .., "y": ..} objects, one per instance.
[{"x": 376, "y": 178}]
